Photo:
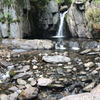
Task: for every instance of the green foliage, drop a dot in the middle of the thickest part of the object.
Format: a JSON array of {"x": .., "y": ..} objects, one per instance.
[
  {"x": 96, "y": 1},
  {"x": 5, "y": 17},
  {"x": 6, "y": 2},
  {"x": 93, "y": 18}
]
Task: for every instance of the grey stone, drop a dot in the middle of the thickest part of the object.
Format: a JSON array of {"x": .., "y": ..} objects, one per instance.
[
  {"x": 63, "y": 8},
  {"x": 18, "y": 51},
  {"x": 96, "y": 49},
  {"x": 28, "y": 93},
  {"x": 60, "y": 71},
  {"x": 85, "y": 51},
  {"x": 68, "y": 67},
  {"x": 52, "y": 6},
  {"x": 33, "y": 83},
  {"x": 83, "y": 96},
  {"x": 4, "y": 97},
  {"x": 56, "y": 18},
  {"x": 24, "y": 69},
  {"x": 14, "y": 88},
  {"x": 13, "y": 96},
  {"x": 21, "y": 82},
  {"x": 56, "y": 59},
  {"x": 81, "y": 30},
  {"x": 28, "y": 86},
  {"x": 5, "y": 63},
  {"x": 89, "y": 87},
  {"x": 4, "y": 29},
  {"x": 89, "y": 64},
  {"x": 35, "y": 44},
  {"x": 94, "y": 72},
  {"x": 98, "y": 64},
  {"x": 23, "y": 75},
  {"x": 96, "y": 89},
  {"x": 44, "y": 81}
]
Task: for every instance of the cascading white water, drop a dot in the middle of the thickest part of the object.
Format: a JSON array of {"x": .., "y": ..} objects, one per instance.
[{"x": 60, "y": 30}]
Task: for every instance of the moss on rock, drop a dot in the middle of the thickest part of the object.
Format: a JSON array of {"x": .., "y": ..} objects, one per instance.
[{"x": 12, "y": 73}]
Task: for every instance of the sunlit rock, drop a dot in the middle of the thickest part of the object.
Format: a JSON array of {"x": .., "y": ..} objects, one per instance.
[
  {"x": 28, "y": 93},
  {"x": 89, "y": 87},
  {"x": 56, "y": 59},
  {"x": 44, "y": 81}
]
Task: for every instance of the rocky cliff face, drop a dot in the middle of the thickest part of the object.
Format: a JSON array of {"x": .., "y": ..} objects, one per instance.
[
  {"x": 48, "y": 18},
  {"x": 13, "y": 21},
  {"x": 27, "y": 17},
  {"x": 84, "y": 18}
]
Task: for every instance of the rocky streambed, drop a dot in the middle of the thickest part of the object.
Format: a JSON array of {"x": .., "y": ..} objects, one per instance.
[{"x": 69, "y": 74}]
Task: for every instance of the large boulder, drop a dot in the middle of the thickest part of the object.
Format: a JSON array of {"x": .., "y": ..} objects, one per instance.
[
  {"x": 82, "y": 19},
  {"x": 29, "y": 44},
  {"x": 83, "y": 96},
  {"x": 63, "y": 8}
]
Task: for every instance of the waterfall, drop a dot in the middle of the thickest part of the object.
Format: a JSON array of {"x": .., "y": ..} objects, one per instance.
[{"x": 60, "y": 30}]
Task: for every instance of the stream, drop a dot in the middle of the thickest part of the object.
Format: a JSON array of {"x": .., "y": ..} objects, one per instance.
[{"x": 68, "y": 78}]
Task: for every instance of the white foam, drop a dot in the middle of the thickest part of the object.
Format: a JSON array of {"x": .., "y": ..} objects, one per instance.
[{"x": 75, "y": 48}]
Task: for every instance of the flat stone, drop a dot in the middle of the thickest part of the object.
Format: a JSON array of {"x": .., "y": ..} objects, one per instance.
[
  {"x": 96, "y": 49},
  {"x": 56, "y": 59},
  {"x": 98, "y": 64},
  {"x": 94, "y": 72},
  {"x": 18, "y": 51},
  {"x": 4, "y": 97},
  {"x": 93, "y": 53},
  {"x": 21, "y": 82},
  {"x": 24, "y": 69},
  {"x": 28, "y": 86},
  {"x": 60, "y": 71},
  {"x": 13, "y": 96},
  {"x": 89, "y": 87},
  {"x": 14, "y": 88},
  {"x": 83, "y": 73},
  {"x": 33, "y": 44},
  {"x": 68, "y": 67},
  {"x": 21, "y": 75},
  {"x": 83, "y": 96},
  {"x": 28, "y": 93},
  {"x": 6, "y": 64},
  {"x": 44, "y": 81},
  {"x": 89, "y": 64},
  {"x": 85, "y": 51},
  {"x": 96, "y": 89}
]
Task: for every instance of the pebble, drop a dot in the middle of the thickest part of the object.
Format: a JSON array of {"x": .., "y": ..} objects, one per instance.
[
  {"x": 44, "y": 81},
  {"x": 83, "y": 73},
  {"x": 69, "y": 70},
  {"x": 94, "y": 72},
  {"x": 21, "y": 82},
  {"x": 35, "y": 67},
  {"x": 27, "y": 85},
  {"x": 74, "y": 69},
  {"x": 33, "y": 83},
  {"x": 89, "y": 64},
  {"x": 68, "y": 67}
]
